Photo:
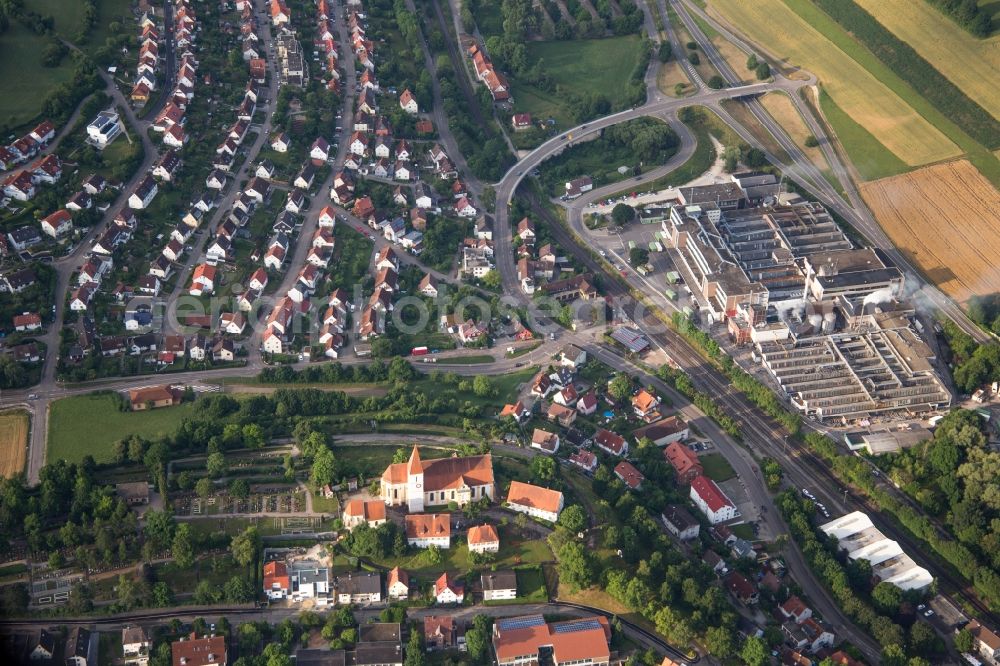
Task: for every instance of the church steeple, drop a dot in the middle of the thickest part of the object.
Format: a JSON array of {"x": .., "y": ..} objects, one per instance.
[{"x": 414, "y": 466}]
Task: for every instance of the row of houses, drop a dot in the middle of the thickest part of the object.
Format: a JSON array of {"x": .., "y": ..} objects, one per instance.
[{"x": 28, "y": 146}]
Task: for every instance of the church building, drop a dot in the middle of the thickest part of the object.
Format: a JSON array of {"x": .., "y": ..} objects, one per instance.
[{"x": 437, "y": 482}]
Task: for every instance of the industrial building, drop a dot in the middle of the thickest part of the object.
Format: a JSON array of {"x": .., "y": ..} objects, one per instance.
[{"x": 826, "y": 319}]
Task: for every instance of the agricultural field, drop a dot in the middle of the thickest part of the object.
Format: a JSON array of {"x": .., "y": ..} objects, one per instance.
[
  {"x": 957, "y": 250},
  {"x": 862, "y": 96},
  {"x": 782, "y": 110},
  {"x": 587, "y": 67},
  {"x": 971, "y": 64},
  {"x": 13, "y": 442},
  {"x": 91, "y": 424}
]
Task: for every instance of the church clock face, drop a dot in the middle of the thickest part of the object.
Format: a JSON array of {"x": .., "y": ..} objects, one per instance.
[{"x": 418, "y": 484}]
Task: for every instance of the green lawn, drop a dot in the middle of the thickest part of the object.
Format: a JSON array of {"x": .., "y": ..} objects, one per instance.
[
  {"x": 68, "y": 15},
  {"x": 109, "y": 12},
  {"x": 513, "y": 552},
  {"x": 324, "y": 505},
  {"x": 475, "y": 359},
  {"x": 91, "y": 424},
  {"x": 489, "y": 20},
  {"x": 743, "y": 531},
  {"x": 583, "y": 67},
  {"x": 869, "y": 156},
  {"x": 30, "y": 82},
  {"x": 531, "y": 585},
  {"x": 717, "y": 467}
]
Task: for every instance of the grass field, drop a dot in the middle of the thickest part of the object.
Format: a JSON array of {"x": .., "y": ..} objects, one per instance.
[
  {"x": 870, "y": 158},
  {"x": 21, "y": 61},
  {"x": 68, "y": 15},
  {"x": 591, "y": 66},
  {"x": 108, "y": 12},
  {"x": 717, "y": 467},
  {"x": 669, "y": 75},
  {"x": 782, "y": 110},
  {"x": 971, "y": 64},
  {"x": 856, "y": 85},
  {"x": 959, "y": 250},
  {"x": 741, "y": 112},
  {"x": 13, "y": 442},
  {"x": 91, "y": 424}
]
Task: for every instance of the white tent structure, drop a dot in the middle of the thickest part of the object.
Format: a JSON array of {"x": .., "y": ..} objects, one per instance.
[{"x": 856, "y": 534}]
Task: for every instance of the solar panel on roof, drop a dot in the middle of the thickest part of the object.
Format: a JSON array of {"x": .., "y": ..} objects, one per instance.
[
  {"x": 570, "y": 627},
  {"x": 513, "y": 623}
]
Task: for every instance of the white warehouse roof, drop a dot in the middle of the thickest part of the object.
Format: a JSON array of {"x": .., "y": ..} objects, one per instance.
[{"x": 862, "y": 540}]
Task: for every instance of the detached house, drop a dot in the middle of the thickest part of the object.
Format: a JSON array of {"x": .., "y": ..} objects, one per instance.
[
  {"x": 397, "y": 584},
  {"x": 447, "y": 590},
  {"x": 58, "y": 224},
  {"x": 143, "y": 193},
  {"x": 428, "y": 529},
  {"x": 535, "y": 501}
]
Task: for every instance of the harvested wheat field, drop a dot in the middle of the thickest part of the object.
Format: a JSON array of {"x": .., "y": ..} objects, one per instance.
[
  {"x": 13, "y": 442},
  {"x": 782, "y": 110},
  {"x": 971, "y": 64},
  {"x": 945, "y": 219},
  {"x": 788, "y": 38}
]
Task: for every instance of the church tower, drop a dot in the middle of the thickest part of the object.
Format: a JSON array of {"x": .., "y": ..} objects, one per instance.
[{"x": 415, "y": 482}]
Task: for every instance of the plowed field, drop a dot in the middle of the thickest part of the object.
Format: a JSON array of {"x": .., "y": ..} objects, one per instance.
[{"x": 13, "y": 442}]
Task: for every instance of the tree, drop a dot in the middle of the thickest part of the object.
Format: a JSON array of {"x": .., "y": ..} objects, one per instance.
[
  {"x": 664, "y": 51},
  {"x": 324, "y": 469},
  {"x": 572, "y": 518},
  {"x": 622, "y": 214},
  {"x": 244, "y": 546},
  {"x": 182, "y": 548},
  {"x": 694, "y": 59},
  {"x": 763, "y": 71},
  {"x": 886, "y": 598},
  {"x": 238, "y": 590},
  {"x": 716, "y": 82},
  {"x": 752, "y": 62},
  {"x": 620, "y": 387},
  {"x": 754, "y": 652},
  {"x": 162, "y": 595},
  {"x": 253, "y": 436},
  {"x": 126, "y": 592},
  {"x": 477, "y": 642},
  {"x": 720, "y": 641},
  {"x": 239, "y": 488},
  {"x": 482, "y": 386},
  {"x": 543, "y": 468},
  {"x": 205, "y": 487},
  {"x": 638, "y": 256},
  {"x": 811, "y": 141},
  {"x": 414, "y": 651},
  {"x": 216, "y": 464},
  {"x": 576, "y": 567},
  {"x": 964, "y": 642}
]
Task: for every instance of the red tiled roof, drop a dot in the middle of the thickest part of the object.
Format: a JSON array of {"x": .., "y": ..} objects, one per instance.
[
  {"x": 710, "y": 493},
  {"x": 526, "y": 494},
  {"x": 479, "y": 534},
  {"x": 428, "y": 525}
]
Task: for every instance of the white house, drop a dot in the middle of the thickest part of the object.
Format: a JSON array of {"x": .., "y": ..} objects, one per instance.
[
  {"x": 535, "y": 501},
  {"x": 424, "y": 530},
  {"x": 447, "y": 590},
  {"x": 499, "y": 585},
  {"x": 711, "y": 501},
  {"x": 483, "y": 539}
]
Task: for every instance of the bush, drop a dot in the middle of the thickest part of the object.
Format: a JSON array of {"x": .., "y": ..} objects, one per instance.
[
  {"x": 665, "y": 51},
  {"x": 694, "y": 59},
  {"x": 693, "y": 46},
  {"x": 763, "y": 71},
  {"x": 716, "y": 82},
  {"x": 811, "y": 142}
]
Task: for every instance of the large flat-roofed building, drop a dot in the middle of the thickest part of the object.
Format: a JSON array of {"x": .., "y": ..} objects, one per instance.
[
  {"x": 437, "y": 482},
  {"x": 853, "y": 375},
  {"x": 851, "y": 273},
  {"x": 528, "y": 640},
  {"x": 859, "y": 537}
]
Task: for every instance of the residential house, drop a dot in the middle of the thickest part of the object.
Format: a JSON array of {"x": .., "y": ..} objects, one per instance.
[
  {"x": 397, "y": 584},
  {"x": 535, "y": 501},
  {"x": 740, "y": 587},
  {"x": 611, "y": 442},
  {"x": 629, "y": 475},
  {"x": 135, "y": 646},
  {"x": 711, "y": 501},
  {"x": 447, "y": 590},
  {"x": 359, "y": 587},
  {"x": 663, "y": 432},
  {"x": 277, "y": 583},
  {"x": 440, "y": 632},
  {"x": 408, "y": 103},
  {"x": 499, "y": 585},
  {"x": 680, "y": 522},
  {"x": 143, "y": 193},
  {"x": 646, "y": 405},
  {"x": 194, "y": 651},
  {"x": 428, "y": 529},
  {"x": 684, "y": 461},
  {"x": 545, "y": 441},
  {"x": 358, "y": 511},
  {"x": 585, "y": 460},
  {"x": 58, "y": 224},
  {"x": 483, "y": 539}
]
